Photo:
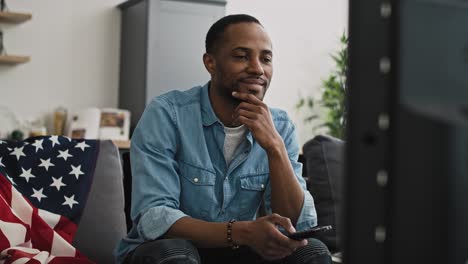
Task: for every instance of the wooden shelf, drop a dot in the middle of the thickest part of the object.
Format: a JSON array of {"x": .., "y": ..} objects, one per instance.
[
  {"x": 14, "y": 17},
  {"x": 13, "y": 59},
  {"x": 122, "y": 144}
]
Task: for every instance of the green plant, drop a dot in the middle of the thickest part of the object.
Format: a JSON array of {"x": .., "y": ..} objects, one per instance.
[{"x": 333, "y": 95}]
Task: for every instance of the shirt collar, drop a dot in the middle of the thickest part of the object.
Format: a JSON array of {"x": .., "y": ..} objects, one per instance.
[{"x": 208, "y": 115}]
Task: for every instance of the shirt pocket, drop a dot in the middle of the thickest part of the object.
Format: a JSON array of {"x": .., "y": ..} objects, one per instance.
[
  {"x": 196, "y": 191},
  {"x": 252, "y": 189}
]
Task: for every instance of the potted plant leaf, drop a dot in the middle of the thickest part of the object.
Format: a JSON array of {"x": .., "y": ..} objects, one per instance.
[{"x": 333, "y": 95}]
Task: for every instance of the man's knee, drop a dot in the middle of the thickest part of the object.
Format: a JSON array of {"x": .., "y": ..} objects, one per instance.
[
  {"x": 165, "y": 251},
  {"x": 315, "y": 252}
]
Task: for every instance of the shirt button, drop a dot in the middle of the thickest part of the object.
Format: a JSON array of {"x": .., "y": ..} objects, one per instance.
[
  {"x": 195, "y": 179},
  {"x": 262, "y": 186}
]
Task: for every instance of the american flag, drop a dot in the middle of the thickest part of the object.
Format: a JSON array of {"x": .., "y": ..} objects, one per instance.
[{"x": 44, "y": 184}]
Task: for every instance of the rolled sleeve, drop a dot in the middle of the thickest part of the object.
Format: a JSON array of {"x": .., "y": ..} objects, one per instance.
[
  {"x": 308, "y": 217},
  {"x": 161, "y": 217}
]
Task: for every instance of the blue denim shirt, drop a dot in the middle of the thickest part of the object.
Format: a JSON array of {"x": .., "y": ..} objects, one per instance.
[{"x": 179, "y": 169}]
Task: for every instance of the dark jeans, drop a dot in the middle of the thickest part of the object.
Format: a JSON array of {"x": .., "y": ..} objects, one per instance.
[{"x": 179, "y": 251}]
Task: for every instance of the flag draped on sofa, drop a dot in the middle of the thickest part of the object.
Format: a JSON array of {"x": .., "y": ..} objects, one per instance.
[{"x": 44, "y": 185}]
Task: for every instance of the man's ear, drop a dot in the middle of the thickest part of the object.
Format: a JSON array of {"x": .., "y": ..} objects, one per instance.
[{"x": 210, "y": 63}]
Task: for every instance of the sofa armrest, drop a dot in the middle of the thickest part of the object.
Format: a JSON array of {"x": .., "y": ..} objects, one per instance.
[
  {"x": 103, "y": 221},
  {"x": 324, "y": 160}
]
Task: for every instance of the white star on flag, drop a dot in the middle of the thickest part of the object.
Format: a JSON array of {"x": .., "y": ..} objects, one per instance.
[
  {"x": 38, "y": 194},
  {"x": 76, "y": 171},
  {"x": 1, "y": 164},
  {"x": 54, "y": 140},
  {"x": 64, "y": 155},
  {"x": 70, "y": 201},
  {"x": 27, "y": 174},
  {"x": 57, "y": 183},
  {"x": 2, "y": 142},
  {"x": 46, "y": 164},
  {"x": 38, "y": 144},
  {"x": 18, "y": 152},
  {"x": 82, "y": 145}
]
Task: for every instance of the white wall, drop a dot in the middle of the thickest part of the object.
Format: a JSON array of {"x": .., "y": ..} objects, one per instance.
[
  {"x": 74, "y": 49},
  {"x": 304, "y": 33}
]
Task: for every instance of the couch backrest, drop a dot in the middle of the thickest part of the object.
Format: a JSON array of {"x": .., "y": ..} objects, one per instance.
[{"x": 323, "y": 157}]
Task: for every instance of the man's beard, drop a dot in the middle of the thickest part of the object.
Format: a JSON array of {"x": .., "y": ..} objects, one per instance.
[{"x": 235, "y": 87}]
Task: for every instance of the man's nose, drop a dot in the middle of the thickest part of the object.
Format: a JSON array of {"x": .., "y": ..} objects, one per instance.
[{"x": 255, "y": 67}]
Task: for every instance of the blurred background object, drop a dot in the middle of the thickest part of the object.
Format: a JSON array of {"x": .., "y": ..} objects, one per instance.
[
  {"x": 60, "y": 117},
  {"x": 9, "y": 122}
]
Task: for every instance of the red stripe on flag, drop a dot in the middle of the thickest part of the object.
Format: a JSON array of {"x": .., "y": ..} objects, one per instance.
[
  {"x": 4, "y": 242},
  {"x": 41, "y": 233},
  {"x": 5, "y": 188},
  {"x": 17, "y": 254},
  {"x": 66, "y": 229},
  {"x": 10, "y": 222}
]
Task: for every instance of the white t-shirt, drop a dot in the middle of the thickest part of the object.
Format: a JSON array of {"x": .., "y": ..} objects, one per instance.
[{"x": 234, "y": 137}]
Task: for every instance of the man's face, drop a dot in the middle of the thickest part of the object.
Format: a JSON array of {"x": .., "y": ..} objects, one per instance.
[{"x": 242, "y": 61}]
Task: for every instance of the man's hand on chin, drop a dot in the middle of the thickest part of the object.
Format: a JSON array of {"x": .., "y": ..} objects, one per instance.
[{"x": 255, "y": 115}]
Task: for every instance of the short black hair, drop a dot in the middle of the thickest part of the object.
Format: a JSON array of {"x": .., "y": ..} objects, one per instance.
[{"x": 216, "y": 31}]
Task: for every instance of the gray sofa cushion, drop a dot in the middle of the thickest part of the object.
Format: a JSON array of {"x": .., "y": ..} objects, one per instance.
[
  {"x": 103, "y": 221},
  {"x": 323, "y": 156}
]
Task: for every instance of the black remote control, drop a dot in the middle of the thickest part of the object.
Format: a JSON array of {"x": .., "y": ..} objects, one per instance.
[{"x": 309, "y": 233}]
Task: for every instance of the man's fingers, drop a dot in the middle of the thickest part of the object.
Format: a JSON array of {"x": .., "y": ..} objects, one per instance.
[
  {"x": 246, "y": 113},
  {"x": 279, "y": 239},
  {"x": 288, "y": 226},
  {"x": 248, "y": 106},
  {"x": 284, "y": 222},
  {"x": 247, "y": 97},
  {"x": 242, "y": 120},
  {"x": 298, "y": 244}
]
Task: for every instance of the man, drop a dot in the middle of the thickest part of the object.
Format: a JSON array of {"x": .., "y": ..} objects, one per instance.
[{"x": 204, "y": 159}]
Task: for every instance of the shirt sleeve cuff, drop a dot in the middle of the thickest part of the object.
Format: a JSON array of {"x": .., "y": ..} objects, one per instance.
[
  {"x": 157, "y": 220},
  {"x": 308, "y": 217}
]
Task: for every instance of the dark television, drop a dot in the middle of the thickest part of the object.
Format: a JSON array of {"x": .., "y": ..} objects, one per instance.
[{"x": 406, "y": 198}]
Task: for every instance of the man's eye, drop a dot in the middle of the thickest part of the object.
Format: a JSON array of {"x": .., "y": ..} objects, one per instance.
[
  {"x": 267, "y": 59},
  {"x": 240, "y": 57}
]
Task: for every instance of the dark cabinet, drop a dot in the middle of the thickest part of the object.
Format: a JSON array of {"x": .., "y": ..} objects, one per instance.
[{"x": 162, "y": 44}]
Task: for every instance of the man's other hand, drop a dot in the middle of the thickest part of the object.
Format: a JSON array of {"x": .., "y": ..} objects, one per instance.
[{"x": 265, "y": 238}]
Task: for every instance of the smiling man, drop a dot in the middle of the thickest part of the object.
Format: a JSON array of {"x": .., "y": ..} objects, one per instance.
[{"x": 203, "y": 160}]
